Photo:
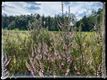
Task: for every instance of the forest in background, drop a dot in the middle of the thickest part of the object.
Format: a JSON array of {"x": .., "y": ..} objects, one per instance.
[{"x": 22, "y": 22}]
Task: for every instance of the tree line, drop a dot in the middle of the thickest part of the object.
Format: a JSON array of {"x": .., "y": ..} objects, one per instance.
[{"x": 22, "y": 22}]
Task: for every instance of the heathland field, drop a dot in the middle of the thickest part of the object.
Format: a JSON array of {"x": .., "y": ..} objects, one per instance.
[{"x": 47, "y": 53}]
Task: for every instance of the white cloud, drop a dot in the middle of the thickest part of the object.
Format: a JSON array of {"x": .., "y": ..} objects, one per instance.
[
  {"x": 17, "y": 8},
  {"x": 49, "y": 8}
]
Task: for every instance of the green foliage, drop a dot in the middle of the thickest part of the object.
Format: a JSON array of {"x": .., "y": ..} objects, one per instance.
[
  {"x": 19, "y": 48},
  {"x": 91, "y": 22},
  {"x": 14, "y": 47}
]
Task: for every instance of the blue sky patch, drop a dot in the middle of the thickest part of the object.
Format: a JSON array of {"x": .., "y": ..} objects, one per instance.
[{"x": 49, "y": 8}]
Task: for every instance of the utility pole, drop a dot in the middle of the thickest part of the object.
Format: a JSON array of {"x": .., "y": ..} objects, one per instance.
[
  {"x": 69, "y": 10},
  {"x": 62, "y": 7}
]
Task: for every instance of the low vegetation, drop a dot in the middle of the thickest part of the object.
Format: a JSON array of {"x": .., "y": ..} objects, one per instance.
[{"x": 45, "y": 53}]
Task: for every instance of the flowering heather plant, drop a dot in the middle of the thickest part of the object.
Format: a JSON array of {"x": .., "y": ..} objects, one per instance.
[{"x": 5, "y": 63}]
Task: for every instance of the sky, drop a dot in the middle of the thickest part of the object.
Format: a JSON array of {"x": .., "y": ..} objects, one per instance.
[{"x": 49, "y": 8}]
